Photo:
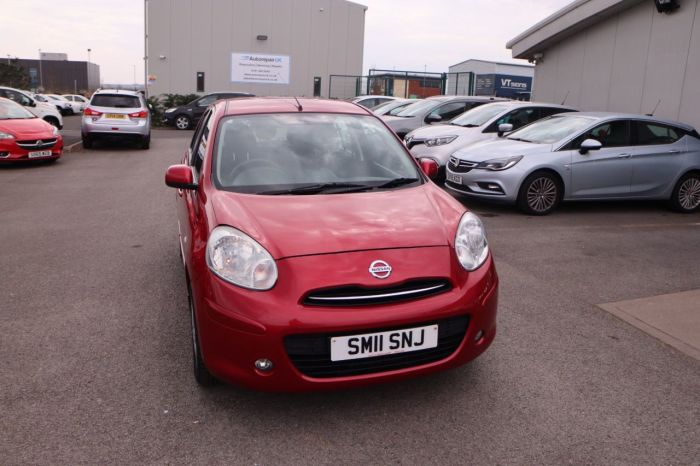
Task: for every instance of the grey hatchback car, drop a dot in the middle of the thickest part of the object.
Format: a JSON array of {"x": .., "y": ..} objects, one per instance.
[
  {"x": 116, "y": 114},
  {"x": 583, "y": 156}
]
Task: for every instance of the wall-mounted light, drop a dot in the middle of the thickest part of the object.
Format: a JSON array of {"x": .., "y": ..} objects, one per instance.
[
  {"x": 162, "y": 57},
  {"x": 262, "y": 37},
  {"x": 666, "y": 6}
]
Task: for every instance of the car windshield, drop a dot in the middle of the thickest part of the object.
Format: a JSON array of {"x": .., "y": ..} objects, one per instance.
[
  {"x": 12, "y": 111},
  {"x": 383, "y": 108},
  {"x": 551, "y": 130},
  {"x": 419, "y": 108},
  {"x": 115, "y": 101},
  {"x": 478, "y": 116},
  {"x": 307, "y": 153}
]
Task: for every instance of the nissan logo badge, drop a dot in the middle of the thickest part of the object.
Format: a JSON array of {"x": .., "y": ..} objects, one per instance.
[{"x": 380, "y": 269}]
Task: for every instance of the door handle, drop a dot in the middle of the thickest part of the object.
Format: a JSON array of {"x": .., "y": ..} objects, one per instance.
[
  {"x": 624, "y": 156},
  {"x": 674, "y": 151}
]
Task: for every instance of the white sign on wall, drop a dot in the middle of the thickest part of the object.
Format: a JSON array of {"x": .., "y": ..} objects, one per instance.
[{"x": 258, "y": 68}]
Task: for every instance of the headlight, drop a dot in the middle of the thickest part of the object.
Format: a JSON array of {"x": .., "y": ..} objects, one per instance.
[
  {"x": 239, "y": 259},
  {"x": 6, "y": 135},
  {"x": 470, "y": 242},
  {"x": 499, "y": 164},
  {"x": 441, "y": 141},
  {"x": 170, "y": 110},
  {"x": 54, "y": 130}
]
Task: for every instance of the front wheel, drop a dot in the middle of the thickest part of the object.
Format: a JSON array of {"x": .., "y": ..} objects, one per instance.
[
  {"x": 686, "y": 194},
  {"x": 540, "y": 194},
  {"x": 201, "y": 373},
  {"x": 183, "y": 122}
]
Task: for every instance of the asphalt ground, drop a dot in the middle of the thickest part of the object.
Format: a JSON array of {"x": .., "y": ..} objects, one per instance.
[{"x": 96, "y": 359}]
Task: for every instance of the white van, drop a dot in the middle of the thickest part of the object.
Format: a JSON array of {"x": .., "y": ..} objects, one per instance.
[{"x": 47, "y": 112}]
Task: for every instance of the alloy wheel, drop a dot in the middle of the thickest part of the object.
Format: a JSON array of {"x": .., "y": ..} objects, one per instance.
[
  {"x": 689, "y": 194},
  {"x": 182, "y": 122},
  {"x": 542, "y": 194}
]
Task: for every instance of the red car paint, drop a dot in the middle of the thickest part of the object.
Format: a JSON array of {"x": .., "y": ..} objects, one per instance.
[
  {"x": 325, "y": 242},
  {"x": 27, "y": 132}
]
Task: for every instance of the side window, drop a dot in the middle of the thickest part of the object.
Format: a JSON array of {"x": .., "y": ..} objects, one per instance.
[
  {"x": 519, "y": 118},
  {"x": 202, "y": 143},
  {"x": 206, "y": 101},
  {"x": 649, "y": 134},
  {"x": 196, "y": 136},
  {"x": 610, "y": 134},
  {"x": 17, "y": 97},
  {"x": 449, "y": 111}
]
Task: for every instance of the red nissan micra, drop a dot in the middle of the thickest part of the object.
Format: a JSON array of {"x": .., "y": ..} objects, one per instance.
[
  {"x": 319, "y": 255},
  {"x": 25, "y": 137}
]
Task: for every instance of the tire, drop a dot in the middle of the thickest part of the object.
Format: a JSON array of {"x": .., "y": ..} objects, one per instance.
[
  {"x": 87, "y": 142},
  {"x": 686, "y": 194},
  {"x": 146, "y": 142},
  {"x": 201, "y": 373},
  {"x": 53, "y": 121},
  {"x": 540, "y": 193},
  {"x": 183, "y": 122}
]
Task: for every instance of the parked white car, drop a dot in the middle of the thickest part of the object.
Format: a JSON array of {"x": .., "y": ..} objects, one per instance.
[
  {"x": 47, "y": 112},
  {"x": 77, "y": 99},
  {"x": 74, "y": 106},
  {"x": 62, "y": 105}
]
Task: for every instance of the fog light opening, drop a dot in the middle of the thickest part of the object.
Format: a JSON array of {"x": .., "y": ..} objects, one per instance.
[{"x": 264, "y": 365}]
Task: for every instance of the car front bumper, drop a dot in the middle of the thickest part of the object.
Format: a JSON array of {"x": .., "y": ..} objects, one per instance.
[
  {"x": 238, "y": 327},
  {"x": 11, "y": 152},
  {"x": 495, "y": 186}
]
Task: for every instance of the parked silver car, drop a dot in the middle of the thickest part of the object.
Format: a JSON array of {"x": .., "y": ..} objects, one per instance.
[
  {"x": 438, "y": 142},
  {"x": 393, "y": 106},
  {"x": 371, "y": 101},
  {"x": 583, "y": 156},
  {"x": 438, "y": 109},
  {"x": 116, "y": 114}
]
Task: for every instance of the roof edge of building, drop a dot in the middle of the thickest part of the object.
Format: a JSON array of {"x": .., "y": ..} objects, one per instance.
[
  {"x": 524, "y": 65},
  {"x": 572, "y": 18}
]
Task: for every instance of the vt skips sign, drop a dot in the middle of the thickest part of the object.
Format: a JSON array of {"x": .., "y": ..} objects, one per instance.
[
  {"x": 259, "y": 68},
  {"x": 502, "y": 85}
]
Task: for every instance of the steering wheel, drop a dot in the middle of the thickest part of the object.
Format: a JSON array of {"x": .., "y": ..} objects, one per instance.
[{"x": 253, "y": 164}]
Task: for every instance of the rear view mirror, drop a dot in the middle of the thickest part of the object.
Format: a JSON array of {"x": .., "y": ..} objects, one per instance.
[
  {"x": 430, "y": 167},
  {"x": 504, "y": 128},
  {"x": 180, "y": 176},
  {"x": 589, "y": 145}
]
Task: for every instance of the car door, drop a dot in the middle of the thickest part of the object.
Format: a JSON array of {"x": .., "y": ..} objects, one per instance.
[
  {"x": 189, "y": 210},
  {"x": 606, "y": 172},
  {"x": 657, "y": 159}
]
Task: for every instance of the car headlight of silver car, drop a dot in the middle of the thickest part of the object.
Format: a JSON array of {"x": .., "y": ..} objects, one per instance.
[
  {"x": 441, "y": 141},
  {"x": 470, "y": 242},
  {"x": 499, "y": 164},
  {"x": 240, "y": 260}
]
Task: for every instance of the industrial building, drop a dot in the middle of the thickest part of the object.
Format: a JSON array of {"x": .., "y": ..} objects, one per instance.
[
  {"x": 265, "y": 47},
  {"x": 56, "y": 74},
  {"x": 637, "y": 56},
  {"x": 481, "y": 77}
]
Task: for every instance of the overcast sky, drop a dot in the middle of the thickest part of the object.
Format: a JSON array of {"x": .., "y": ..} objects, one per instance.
[{"x": 400, "y": 34}]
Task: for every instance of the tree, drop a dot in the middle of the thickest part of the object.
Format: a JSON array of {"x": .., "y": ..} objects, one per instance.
[{"x": 11, "y": 75}]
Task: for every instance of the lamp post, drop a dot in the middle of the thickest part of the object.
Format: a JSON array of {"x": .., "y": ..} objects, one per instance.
[
  {"x": 41, "y": 73},
  {"x": 8, "y": 58}
]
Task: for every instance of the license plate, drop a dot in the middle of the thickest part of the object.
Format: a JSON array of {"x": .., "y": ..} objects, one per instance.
[
  {"x": 454, "y": 178},
  {"x": 371, "y": 345},
  {"x": 40, "y": 153},
  {"x": 115, "y": 115}
]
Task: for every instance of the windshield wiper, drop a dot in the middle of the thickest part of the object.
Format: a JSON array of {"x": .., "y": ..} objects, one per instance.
[
  {"x": 317, "y": 188},
  {"x": 468, "y": 125},
  {"x": 395, "y": 182},
  {"x": 520, "y": 139}
]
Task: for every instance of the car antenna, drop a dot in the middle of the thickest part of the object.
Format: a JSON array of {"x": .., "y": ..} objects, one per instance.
[
  {"x": 654, "y": 111},
  {"x": 565, "y": 97},
  {"x": 299, "y": 107}
]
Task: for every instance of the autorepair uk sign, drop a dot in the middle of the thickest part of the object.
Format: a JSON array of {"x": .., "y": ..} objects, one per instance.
[{"x": 258, "y": 68}]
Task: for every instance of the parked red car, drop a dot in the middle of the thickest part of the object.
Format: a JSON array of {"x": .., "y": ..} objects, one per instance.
[
  {"x": 318, "y": 254},
  {"x": 25, "y": 137}
]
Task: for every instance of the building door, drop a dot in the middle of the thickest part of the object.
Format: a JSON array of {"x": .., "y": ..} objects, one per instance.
[{"x": 317, "y": 86}]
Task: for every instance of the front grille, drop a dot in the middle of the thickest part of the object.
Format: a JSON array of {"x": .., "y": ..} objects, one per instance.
[
  {"x": 362, "y": 296},
  {"x": 311, "y": 354},
  {"x": 37, "y": 144},
  {"x": 460, "y": 166}
]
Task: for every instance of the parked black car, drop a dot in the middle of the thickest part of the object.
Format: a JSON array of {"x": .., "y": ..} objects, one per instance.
[{"x": 187, "y": 116}]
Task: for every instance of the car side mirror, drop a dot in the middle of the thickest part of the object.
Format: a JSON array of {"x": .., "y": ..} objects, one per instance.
[
  {"x": 504, "y": 128},
  {"x": 180, "y": 177},
  {"x": 433, "y": 118},
  {"x": 589, "y": 145},
  {"x": 430, "y": 167}
]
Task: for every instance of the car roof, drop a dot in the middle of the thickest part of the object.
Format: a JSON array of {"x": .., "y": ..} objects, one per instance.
[
  {"x": 631, "y": 116},
  {"x": 259, "y": 105},
  {"x": 468, "y": 98},
  {"x": 117, "y": 91}
]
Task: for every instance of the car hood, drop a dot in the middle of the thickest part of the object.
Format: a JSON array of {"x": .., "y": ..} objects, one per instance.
[
  {"x": 433, "y": 131},
  {"x": 27, "y": 128},
  {"x": 289, "y": 226},
  {"x": 489, "y": 149},
  {"x": 397, "y": 122}
]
